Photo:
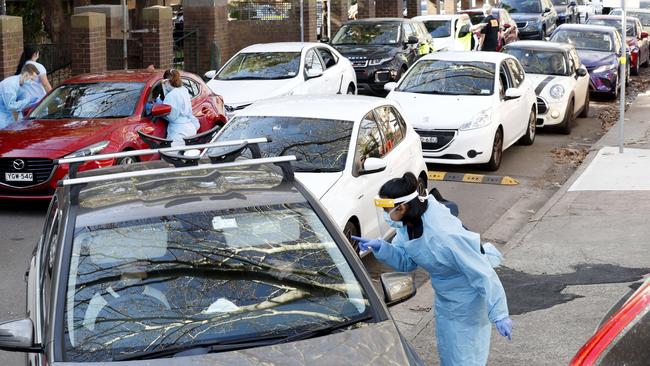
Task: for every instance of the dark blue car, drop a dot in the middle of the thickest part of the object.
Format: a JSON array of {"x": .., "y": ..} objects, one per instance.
[{"x": 599, "y": 48}]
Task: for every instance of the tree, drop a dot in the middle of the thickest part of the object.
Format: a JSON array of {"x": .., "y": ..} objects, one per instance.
[{"x": 57, "y": 19}]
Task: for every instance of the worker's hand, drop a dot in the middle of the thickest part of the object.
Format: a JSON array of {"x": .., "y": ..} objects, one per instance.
[
  {"x": 158, "y": 100},
  {"x": 504, "y": 327},
  {"x": 365, "y": 244}
]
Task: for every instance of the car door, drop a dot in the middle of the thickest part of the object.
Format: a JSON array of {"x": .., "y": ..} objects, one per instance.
[
  {"x": 510, "y": 110},
  {"x": 644, "y": 51},
  {"x": 411, "y": 50},
  {"x": 582, "y": 82},
  {"x": 314, "y": 85},
  {"x": 333, "y": 73}
]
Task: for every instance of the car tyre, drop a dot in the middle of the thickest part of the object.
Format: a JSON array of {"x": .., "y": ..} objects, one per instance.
[
  {"x": 585, "y": 109},
  {"x": 127, "y": 160},
  {"x": 529, "y": 137},
  {"x": 350, "y": 90},
  {"x": 569, "y": 118},
  {"x": 497, "y": 151},
  {"x": 350, "y": 230}
]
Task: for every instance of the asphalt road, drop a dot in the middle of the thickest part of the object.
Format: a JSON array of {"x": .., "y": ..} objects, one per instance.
[{"x": 481, "y": 206}]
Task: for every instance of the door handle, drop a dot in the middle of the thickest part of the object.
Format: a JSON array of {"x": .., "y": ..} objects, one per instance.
[{"x": 360, "y": 196}]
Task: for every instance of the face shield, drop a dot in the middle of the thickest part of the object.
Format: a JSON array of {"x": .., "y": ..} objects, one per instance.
[{"x": 385, "y": 206}]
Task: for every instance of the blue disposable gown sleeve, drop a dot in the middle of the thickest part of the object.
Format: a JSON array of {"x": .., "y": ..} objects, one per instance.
[
  {"x": 481, "y": 277},
  {"x": 11, "y": 101},
  {"x": 395, "y": 255}
]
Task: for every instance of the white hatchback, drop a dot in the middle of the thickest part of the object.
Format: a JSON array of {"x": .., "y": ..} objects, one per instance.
[
  {"x": 269, "y": 70},
  {"x": 347, "y": 148},
  {"x": 467, "y": 107}
]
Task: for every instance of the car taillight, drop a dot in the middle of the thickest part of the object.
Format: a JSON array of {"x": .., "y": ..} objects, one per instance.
[{"x": 608, "y": 332}]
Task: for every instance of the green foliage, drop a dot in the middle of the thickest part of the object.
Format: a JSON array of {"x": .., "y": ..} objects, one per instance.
[{"x": 30, "y": 11}]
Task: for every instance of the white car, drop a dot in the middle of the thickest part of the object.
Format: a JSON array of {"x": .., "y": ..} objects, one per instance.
[
  {"x": 347, "y": 148},
  {"x": 467, "y": 107},
  {"x": 268, "y": 70},
  {"x": 586, "y": 9},
  {"x": 561, "y": 81},
  {"x": 443, "y": 30}
]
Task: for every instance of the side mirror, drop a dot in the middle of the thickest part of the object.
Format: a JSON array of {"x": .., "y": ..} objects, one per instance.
[
  {"x": 547, "y": 10},
  {"x": 311, "y": 73},
  {"x": 18, "y": 336},
  {"x": 389, "y": 87},
  {"x": 160, "y": 110},
  {"x": 573, "y": 3},
  {"x": 644, "y": 35},
  {"x": 210, "y": 74},
  {"x": 581, "y": 72},
  {"x": 513, "y": 93},
  {"x": 373, "y": 165},
  {"x": 506, "y": 26},
  {"x": 412, "y": 40},
  {"x": 325, "y": 40},
  {"x": 398, "y": 287}
]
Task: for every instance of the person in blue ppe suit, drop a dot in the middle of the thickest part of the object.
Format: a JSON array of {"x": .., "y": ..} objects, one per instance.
[
  {"x": 181, "y": 120},
  {"x": 13, "y": 95},
  {"x": 468, "y": 293}
]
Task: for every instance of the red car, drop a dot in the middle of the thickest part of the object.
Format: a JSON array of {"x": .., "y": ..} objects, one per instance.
[
  {"x": 624, "y": 337},
  {"x": 92, "y": 111},
  {"x": 507, "y": 34}
]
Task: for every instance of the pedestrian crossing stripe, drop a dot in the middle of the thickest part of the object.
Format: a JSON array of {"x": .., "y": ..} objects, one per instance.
[{"x": 472, "y": 178}]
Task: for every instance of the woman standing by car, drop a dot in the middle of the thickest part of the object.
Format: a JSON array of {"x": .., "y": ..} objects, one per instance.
[
  {"x": 42, "y": 85},
  {"x": 469, "y": 295},
  {"x": 181, "y": 120}
]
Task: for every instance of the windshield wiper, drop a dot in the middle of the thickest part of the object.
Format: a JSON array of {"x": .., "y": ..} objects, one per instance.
[
  {"x": 316, "y": 170},
  {"x": 245, "y": 78},
  {"x": 326, "y": 329}
]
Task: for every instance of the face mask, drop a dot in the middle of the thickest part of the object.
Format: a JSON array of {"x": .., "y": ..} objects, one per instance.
[
  {"x": 167, "y": 88},
  {"x": 391, "y": 223},
  {"x": 28, "y": 82}
]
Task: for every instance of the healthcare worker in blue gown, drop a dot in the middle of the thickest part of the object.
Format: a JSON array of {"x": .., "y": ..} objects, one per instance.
[
  {"x": 181, "y": 120},
  {"x": 468, "y": 294},
  {"x": 14, "y": 96}
]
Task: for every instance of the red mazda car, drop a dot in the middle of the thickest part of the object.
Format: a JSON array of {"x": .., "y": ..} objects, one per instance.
[{"x": 90, "y": 112}]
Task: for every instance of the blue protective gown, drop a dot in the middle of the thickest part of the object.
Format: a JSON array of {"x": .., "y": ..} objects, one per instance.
[
  {"x": 12, "y": 99},
  {"x": 182, "y": 122},
  {"x": 468, "y": 293}
]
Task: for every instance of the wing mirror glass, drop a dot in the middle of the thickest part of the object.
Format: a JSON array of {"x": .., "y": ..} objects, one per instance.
[
  {"x": 581, "y": 72},
  {"x": 389, "y": 87},
  {"x": 161, "y": 110},
  {"x": 398, "y": 287},
  {"x": 373, "y": 165},
  {"x": 210, "y": 74},
  {"x": 513, "y": 93},
  {"x": 18, "y": 336},
  {"x": 547, "y": 10},
  {"x": 412, "y": 40},
  {"x": 325, "y": 40},
  {"x": 312, "y": 73}
]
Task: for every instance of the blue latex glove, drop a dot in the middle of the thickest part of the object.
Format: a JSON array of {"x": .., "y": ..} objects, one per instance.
[
  {"x": 504, "y": 327},
  {"x": 147, "y": 108},
  {"x": 365, "y": 244},
  {"x": 158, "y": 100}
]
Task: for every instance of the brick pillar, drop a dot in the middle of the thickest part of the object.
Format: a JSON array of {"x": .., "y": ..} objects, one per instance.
[
  {"x": 389, "y": 8},
  {"x": 413, "y": 8},
  {"x": 432, "y": 7},
  {"x": 367, "y": 8},
  {"x": 309, "y": 19},
  {"x": 339, "y": 14},
  {"x": 450, "y": 7},
  {"x": 88, "y": 39},
  {"x": 11, "y": 44},
  {"x": 210, "y": 19},
  {"x": 77, "y": 3},
  {"x": 158, "y": 43}
]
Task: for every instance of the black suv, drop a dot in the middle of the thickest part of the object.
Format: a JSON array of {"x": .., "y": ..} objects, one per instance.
[
  {"x": 154, "y": 260},
  {"x": 381, "y": 49}
]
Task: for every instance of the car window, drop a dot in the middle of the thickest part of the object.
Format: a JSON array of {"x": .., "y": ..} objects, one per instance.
[
  {"x": 48, "y": 259},
  {"x": 516, "y": 71},
  {"x": 327, "y": 56},
  {"x": 44, "y": 242},
  {"x": 504, "y": 80},
  {"x": 191, "y": 88},
  {"x": 630, "y": 348},
  {"x": 539, "y": 61},
  {"x": 449, "y": 77},
  {"x": 587, "y": 39},
  {"x": 204, "y": 277},
  {"x": 409, "y": 31},
  {"x": 369, "y": 142},
  {"x": 390, "y": 126},
  {"x": 313, "y": 62},
  {"x": 439, "y": 28}
]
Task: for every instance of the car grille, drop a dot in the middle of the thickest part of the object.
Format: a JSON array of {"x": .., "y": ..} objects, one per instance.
[
  {"x": 541, "y": 106},
  {"x": 522, "y": 25},
  {"x": 359, "y": 63},
  {"x": 443, "y": 138},
  {"x": 40, "y": 168}
]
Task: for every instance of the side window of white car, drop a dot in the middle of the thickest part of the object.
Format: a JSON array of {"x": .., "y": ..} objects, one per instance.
[
  {"x": 391, "y": 127},
  {"x": 504, "y": 80},
  {"x": 369, "y": 142},
  {"x": 517, "y": 72},
  {"x": 327, "y": 56},
  {"x": 312, "y": 61}
]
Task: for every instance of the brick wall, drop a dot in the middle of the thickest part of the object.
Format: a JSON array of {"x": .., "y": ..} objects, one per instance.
[
  {"x": 389, "y": 8},
  {"x": 413, "y": 8},
  {"x": 159, "y": 41},
  {"x": 339, "y": 14},
  {"x": 367, "y": 8},
  {"x": 115, "y": 54},
  {"x": 88, "y": 39},
  {"x": 11, "y": 44}
]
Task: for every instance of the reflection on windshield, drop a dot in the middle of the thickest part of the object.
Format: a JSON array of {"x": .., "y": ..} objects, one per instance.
[
  {"x": 585, "y": 40},
  {"x": 320, "y": 145},
  {"x": 91, "y": 100},
  {"x": 176, "y": 280},
  {"x": 560, "y": 2},
  {"x": 614, "y": 23},
  {"x": 541, "y": 62},
  {"x": 514, "y": 6},
  {"x": 261, "y": 66},
  {"x": 643, "y": 17},
  {"x": 371, "y": 33},
  {"x": 438, "y": 28},
  {"x": 450, "y": 77}
]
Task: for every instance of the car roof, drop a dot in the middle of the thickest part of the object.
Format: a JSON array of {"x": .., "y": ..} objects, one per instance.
[
  {"x": 541, "y": 45},
  {"x": 119, "y": 76},
  {"x": 279, "y": 47},
  {"x": 336, "y": 107},
  {"x": 423, "y": 18},
  {"x": 609, "y": 17},
  {"x": 379, "y": 20},
  {"x": 494, "y": 57},
  {"x": 587, "y": 27}
]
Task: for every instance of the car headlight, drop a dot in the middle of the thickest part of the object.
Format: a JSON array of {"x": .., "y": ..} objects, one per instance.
[
  {"x": 379, "y": 61},
  {"x": 605, "y": 68},
  {"x": 481, "y": 119},
  {"x": 88, "y": 150},
  {"x": 557, "y": 91}
]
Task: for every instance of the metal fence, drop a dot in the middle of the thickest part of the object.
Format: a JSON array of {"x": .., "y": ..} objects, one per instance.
[
  {"x": 57, "y": 59},
  {"x": 258, "y": 10}
]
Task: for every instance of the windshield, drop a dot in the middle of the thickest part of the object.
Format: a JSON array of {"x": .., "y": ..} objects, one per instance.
[
  {"x": 438, "y": 28},
  {"x": 261, "y": 66},
  {"x": 519, "y": 6},
  {"x": 319, "y": 144},
  {"x": 91, "y": 100},
  {"x": 204, "y": 277},
  {"x": 614, "y": 23},
  {"x": 367, "y": 33},
  {"x": 449, "y": 77},
  {"x": 585, "y": 40},
  {"x": 643, "y": 17},
  {"x": 541, "y": 62},
  {"x": 560, "y": 2}
]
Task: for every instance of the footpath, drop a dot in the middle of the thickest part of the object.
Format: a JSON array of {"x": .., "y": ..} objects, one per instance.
[{"x": 572, "y": 261}]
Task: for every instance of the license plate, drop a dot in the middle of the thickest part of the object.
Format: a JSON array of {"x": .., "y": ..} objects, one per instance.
[
  {"x": 19, "y": 177},
  {"x": 429, "y": 139}
]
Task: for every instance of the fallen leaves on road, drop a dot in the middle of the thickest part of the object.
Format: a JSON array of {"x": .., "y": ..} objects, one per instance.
[
  {"x": 419, "y": 308},
  {"x": 569, "y": 155}
]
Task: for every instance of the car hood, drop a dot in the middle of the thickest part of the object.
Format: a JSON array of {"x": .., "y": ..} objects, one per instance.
[
  {"x": 361, "y": 346},
  {"x": 52, "y": 138},
  {"x": 242, "y": 92},
  {"x": 596, "y": 58},
  {"x": 450, "y": 111},
  {"x": 367, "y": 51},
  {"x": 543, "y": 82},
  {"x": 525, "y": 17},
  {"x": 319, "y": 183}
]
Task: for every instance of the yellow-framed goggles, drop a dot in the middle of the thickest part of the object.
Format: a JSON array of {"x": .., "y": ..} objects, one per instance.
[{"x": 393, "y": 202}]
